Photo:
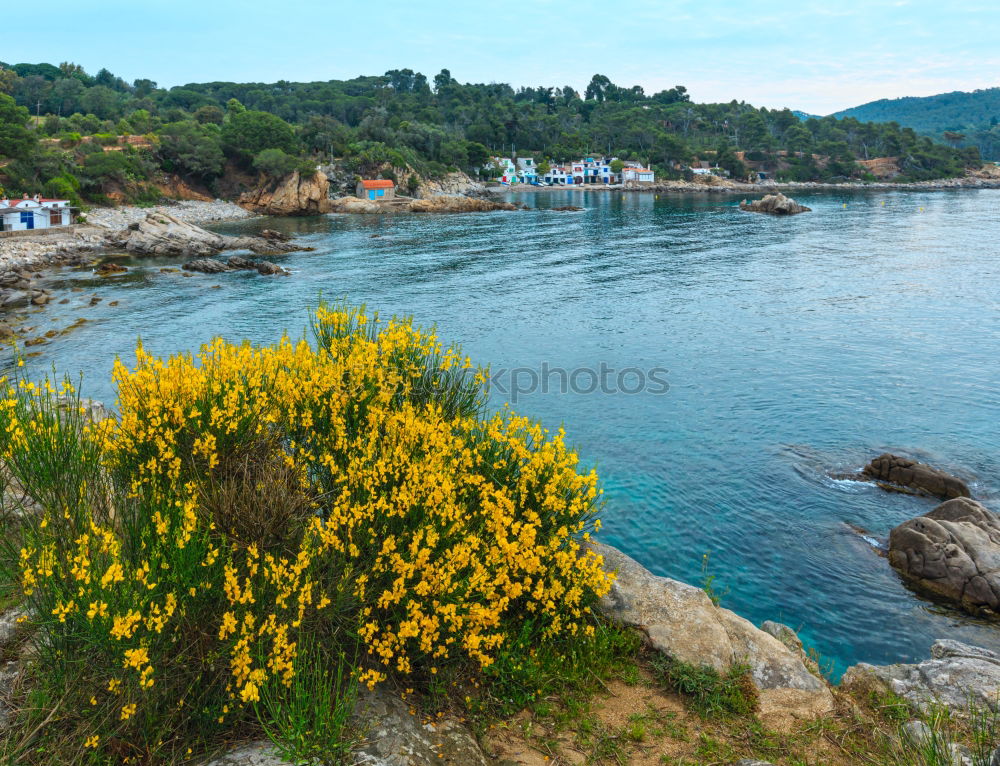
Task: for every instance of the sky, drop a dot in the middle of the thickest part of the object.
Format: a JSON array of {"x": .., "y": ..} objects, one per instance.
[{"x": 819, "y": 57}]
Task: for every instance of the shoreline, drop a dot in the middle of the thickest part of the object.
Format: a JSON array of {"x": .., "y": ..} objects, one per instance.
[{"x": 722, "y": 186}]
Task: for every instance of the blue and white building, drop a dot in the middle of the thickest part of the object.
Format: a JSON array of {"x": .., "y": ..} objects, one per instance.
[{"x": 34, "y": 213}]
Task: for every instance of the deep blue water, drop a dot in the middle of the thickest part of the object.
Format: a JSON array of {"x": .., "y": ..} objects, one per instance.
[{"x": 795, "y": 347}]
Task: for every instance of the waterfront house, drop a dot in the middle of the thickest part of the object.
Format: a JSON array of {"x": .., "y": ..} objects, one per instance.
[
  {"x": 376, "y": 190},
  {"x": 527, "y": 171},
  {"x": 559, "y": 175},
  {"x": 34, "y": 213},
  {"x": 638, "y": 175},
  {"x": 593, "y": 171},
  {"x": 508, "y": 168}
]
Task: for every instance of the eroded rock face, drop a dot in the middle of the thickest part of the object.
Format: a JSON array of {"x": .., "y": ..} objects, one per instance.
[
  {"x": 163, "y": 234},
  {"x": 776, "y": 204},
  {"x": 294, "y": 195},
  {"x": 956, "y": 675},
  {"x": 904, "y": 474},
  {"x": 682, "y": 622},
  {"x": 952, "y": 551},
  {"x": 206, "y": 266}
]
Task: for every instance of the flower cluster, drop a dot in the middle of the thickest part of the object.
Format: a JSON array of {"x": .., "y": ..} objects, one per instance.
[{"x": 350, "y": 490}]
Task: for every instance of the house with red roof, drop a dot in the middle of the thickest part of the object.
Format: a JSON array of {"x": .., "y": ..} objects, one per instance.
[
  {"x": 376, "y": 190},
  {"x": 34, "y": 213}
]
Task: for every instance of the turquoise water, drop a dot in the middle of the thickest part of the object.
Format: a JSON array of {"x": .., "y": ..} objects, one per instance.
[{"x": 794, "y": 347}]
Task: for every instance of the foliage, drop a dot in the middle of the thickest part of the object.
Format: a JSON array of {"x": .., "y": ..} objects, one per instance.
[
  {"x": 706, "y": 690},
  {"x": 192, "y": 148},
  {"x": 275, "y": 163},
  {"x": 16, "y": 139},
  {"x": 256, "y": 514},
  {"x": 246, "y": 134}
]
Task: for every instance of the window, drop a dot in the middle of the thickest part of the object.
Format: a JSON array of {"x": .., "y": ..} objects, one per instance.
[
  {"x": 55, "y": 217},
  {"x": 381, "y": 192}
]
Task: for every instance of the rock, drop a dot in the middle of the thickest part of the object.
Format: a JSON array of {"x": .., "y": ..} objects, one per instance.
[
  {"x": 682, "y": 622},
  {"x": 10, "y": 672},
  {"x": 952, "y": 551},
  {"x": 394, "y": 737},
  {"x": 293, "y": 195},
  {"x": 784, "y": 634},
  {"x": 206, "y": 266},
  {"x": 956, "y": 675},
  {"x": 917, "y": 734},
  {"x": 752, "y": 762},
  {"x": 354, "y": 205},
  {"x": 93, "y": 410},
  {"x": 776, "y": 204},
  {"x": 253, "y": 754},
  {"x": 268, "y": 269},
  {"x": 9, "y": 622},
  {"x": 271, "y": 234},
  {"x": 163, "y": 234},
  {"x": 906, "y": 474},
  {"x": 455, "y": 204},
  {"x": 13, "y": 299},
  {"x": 108, "y": 268},
  {"x": 566, "y": 209},
  {"x": 40, "y": 299},
  {"x": 239, "y": 262}
]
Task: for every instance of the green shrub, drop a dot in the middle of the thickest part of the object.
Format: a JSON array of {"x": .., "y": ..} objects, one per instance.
[{"x": 706, "y": 690}]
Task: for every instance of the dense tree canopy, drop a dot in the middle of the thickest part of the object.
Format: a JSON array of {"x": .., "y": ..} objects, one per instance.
[{"x": 407, "y": 120}]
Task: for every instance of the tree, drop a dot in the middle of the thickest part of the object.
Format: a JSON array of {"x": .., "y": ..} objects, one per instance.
[
  {"x": 248, "y": 133},
  {"x": 275, "y": 163},
  {"x": 598, "y": 89},
  {"x": 209, "y": 114},
  {"x": 16, "y": 140},
  {"x": 102, "y": 101},
  {"x": 442, "y": 80},
  {"x": 192, "y": 148},
  {"x": 617, "y": 166}
]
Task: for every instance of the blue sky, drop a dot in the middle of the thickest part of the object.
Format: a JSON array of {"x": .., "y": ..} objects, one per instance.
[{"x": 815, "y": 56}]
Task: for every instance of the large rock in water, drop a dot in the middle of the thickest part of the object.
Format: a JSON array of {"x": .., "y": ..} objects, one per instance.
[
  {"x": 952, "y": 551},
  {"x": 682, "y": 622},
  {"x": 904, "y": 474},
  {"x": 777, "y": 204},
  {"x": 956, "y": 676}
]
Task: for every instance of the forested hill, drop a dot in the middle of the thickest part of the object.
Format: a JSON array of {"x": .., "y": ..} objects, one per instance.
[
  {"x": 66, "y": 130},
  {"x": 959, "y": 117}
]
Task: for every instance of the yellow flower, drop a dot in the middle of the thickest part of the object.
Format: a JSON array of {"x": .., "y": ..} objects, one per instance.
[
  {"x": 128, "y": 711},
  {"x": 92, "y": 741}
]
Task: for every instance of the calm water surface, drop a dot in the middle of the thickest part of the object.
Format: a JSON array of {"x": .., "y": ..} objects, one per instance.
[{"x": 795, "y": 347}]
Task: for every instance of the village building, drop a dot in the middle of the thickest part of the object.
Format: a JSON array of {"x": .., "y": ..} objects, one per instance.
[
  {"x": 593, "y": 171},
  {"x": 508, "y": 169},
  {"x": 638, "y": 175},
  {"x": 375, "y": 190},
  {"x": 36, "y": 212},
  {"x": 558, "y": 175},
  {"x": 527, "y": 172}
]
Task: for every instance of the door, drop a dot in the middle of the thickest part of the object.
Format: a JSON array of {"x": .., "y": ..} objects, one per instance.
[
  {"x": 371, "y": 196},
  {"x": 28, "y": 219}
]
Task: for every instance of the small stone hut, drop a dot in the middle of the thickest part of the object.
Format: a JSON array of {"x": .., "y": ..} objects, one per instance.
[{"x": 376, "y": 190}]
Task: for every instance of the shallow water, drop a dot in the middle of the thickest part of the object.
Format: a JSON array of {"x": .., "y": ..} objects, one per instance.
[{"x": 795, "y": 348}]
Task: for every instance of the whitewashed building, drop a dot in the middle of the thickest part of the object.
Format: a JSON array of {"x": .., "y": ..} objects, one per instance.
[
  {"x": 559, "y": 175},
  {"x": 593, "y": 171},
  {"x": 638, "y": 175},
  {"x": 34, "y": 213},
  {"x": 507, "y": 167},
  {"x": 527, "y": 171}
]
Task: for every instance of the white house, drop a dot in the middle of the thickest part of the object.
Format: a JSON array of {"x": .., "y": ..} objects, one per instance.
[
  {"x": 559, "y": 175},
  {"x": 526, "y": 170},
  {"x": 638, "y": 175},
  {"x": 34, "y": 213},
  {"x": 508, "y": 169},
  {"x": 593, "y": 171}
]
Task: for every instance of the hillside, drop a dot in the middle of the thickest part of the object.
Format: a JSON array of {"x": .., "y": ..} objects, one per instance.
[{"x": 972, "y": 115}]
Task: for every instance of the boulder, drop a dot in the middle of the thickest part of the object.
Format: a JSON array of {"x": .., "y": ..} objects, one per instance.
[
  {"x": 206, "y": 266},
  {"x": 681, "y": 621},
  {"x": 269, "y": 269},
  {"x": 108, "y": 268},
  {"x": 395, "y": 736},
  {"x": 239, "y": 262},
  {"x": 252, "y": 754},
  {"x": 163, "y": 234},
  {"x": 952, "y": 551},
  {"x": 956, "y": 676},
  {"x": 902, "y": 474},
  {"x": 354, "y": 205},
  {"x": 567, "y": 209},
  {"x": 457, "y": 204},
  {"x": 271, "y": 234},
  {"x": 776, "y": 204}
]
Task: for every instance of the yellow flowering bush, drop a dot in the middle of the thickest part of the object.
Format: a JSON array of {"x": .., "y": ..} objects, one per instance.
[{"x": 348, "y": 494}]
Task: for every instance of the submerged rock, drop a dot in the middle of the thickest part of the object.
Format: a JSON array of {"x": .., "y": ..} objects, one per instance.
[
  {"x": 952, "y": 551},
  {"x": 567, "y": 209},
  {"x": 269, "y": 269},
  {"x": 901, "y": 474},
  {"x": 956, "y": 676},
  {"x": 682, "y": 622},
  {"x": 776, "y": 204}
]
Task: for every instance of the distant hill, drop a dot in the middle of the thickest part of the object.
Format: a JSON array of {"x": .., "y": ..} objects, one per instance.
[{"x": 969, "y": 118}]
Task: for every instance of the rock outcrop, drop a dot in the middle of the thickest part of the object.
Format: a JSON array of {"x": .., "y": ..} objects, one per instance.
[
  {"x": 293, "y": 195},
  {"x": 952, "y": 551},
  {"x": 681, "y": 621},
  {"x": 956, "y": 676},
  {"x": 776, "y": 204},
  {"x": 163, "y": 234},
  {"x": 901, "y": 474},
  {"x": 234, "y": 263}
]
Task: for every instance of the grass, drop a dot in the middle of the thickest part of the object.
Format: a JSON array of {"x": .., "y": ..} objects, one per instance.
[{"x": 707, "y": 691}]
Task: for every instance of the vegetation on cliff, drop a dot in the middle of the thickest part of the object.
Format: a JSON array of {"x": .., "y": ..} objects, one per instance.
[
  {"x": 262, "y": 528},
  {"x": 95, "y": 136}
]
